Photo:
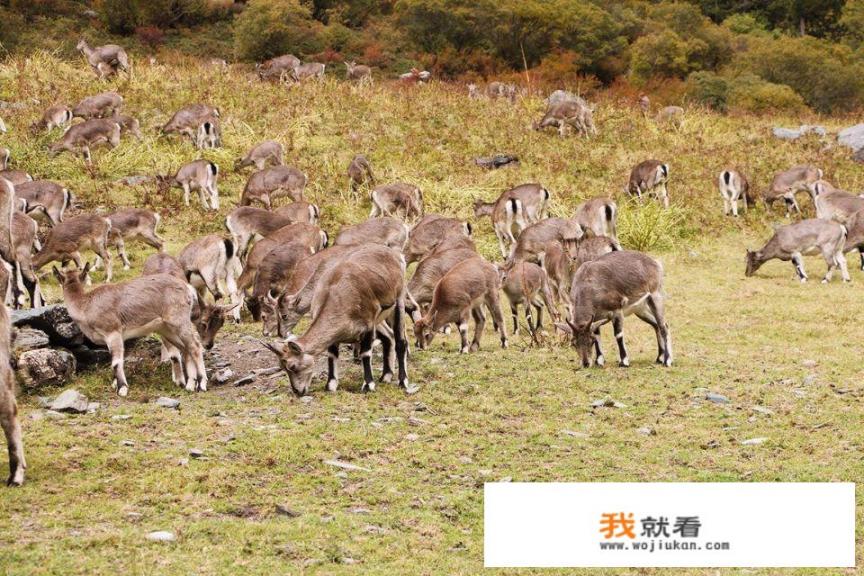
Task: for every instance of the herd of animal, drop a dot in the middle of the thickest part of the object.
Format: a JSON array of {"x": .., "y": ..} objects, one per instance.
[{"x": 280, "y": 265}]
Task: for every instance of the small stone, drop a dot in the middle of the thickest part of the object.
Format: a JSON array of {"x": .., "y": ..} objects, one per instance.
[
  {"x": 127, "y": 443},
  {"x": 54, "y": 415},
  {"x": 161, "y": 536},
  {"x": 717, "y": 398},
  {"x": 70, "y": 401},
  {"x": 412, "y": 437},
  {"x": 646, "y": 431},
  {"x": 248, "y": 379},
  {"x": 575, "y": 434},
  {"x": 762, "y": 410},
  {"x": 809, "y": 379},
  {"x": 28, "y": 339},
  {"x": 286, "y": 511},
  {"x": 45, "y": 367},
  {"x": 196, "y": 453},
  {"x": 166, "y": 402},
  {"x": 506, "y": 479},
  {"x": 121, "y": 417},
  {"x": 183, "y": 462},
  {"x": 347, "y": 560},
  {"x": 345, "y": 465},
  {"x": 414, "y": 421},
  {"x": 753, "y": 441},
  {"x": 372, "y": 529},
  {"x": 607, "y": 403},
  {"x": 223, "y": 376},
  {"x": 809, "y": 363}
]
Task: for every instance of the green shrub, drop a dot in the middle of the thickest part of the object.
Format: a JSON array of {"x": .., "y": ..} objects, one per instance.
[
  {"x": 10, "y": 32},
  {"x": 708, "y": 89},
  {"x": 744, "y": 23},
  {"x": 750, "y": 93},
  {"x": 268, "y": 28},
  {"x": 663, "y": 53},
  {"x": 826, "y": 75},
  {"x": 650, "y": 227},
  {"x": 120, "y": 16}
]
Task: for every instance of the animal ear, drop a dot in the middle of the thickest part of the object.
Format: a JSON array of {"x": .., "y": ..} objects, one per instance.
[
  {"x": 270, "y": 296},
  {"x": 57, "y": 274},
  {"x": 277, "y": 349},
  {"x": 85, "y": 271},
  {"x": 564, "y": 327},
  {"x": 294, "y": 347},
  {"x": 228, "y": 307}
]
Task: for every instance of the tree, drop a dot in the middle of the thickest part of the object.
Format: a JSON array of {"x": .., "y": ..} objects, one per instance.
[{"x": 268, "y": 28}]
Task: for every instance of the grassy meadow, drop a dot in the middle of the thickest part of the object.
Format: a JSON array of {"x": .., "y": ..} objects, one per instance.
[{"x": 260, "y": 498}]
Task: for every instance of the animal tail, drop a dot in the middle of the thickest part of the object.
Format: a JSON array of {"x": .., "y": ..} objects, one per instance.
[
  {"x": 727, "y": 177},
  {"x": 214, "y": 169},
  {"x": 469, "y": 230},
  {"x": 229, "y": 249}
]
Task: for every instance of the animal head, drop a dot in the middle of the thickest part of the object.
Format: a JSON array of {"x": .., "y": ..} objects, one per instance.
[
  {"x": 482, "y": 208},
  {"x": 294, "y": 360},
  {"x": 210, "y": 321},
  {"x": 581, "y": 338},
  {"x": 71, "y": 276},
  {"x": 82, "y": 45},
  {"x": 268, "y": 308},
  {"x": 423, "y": 330},
  {"x": 752, "y": 262}
]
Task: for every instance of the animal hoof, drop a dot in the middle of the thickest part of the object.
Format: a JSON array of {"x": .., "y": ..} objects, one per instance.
[
  {"x": 388, "y": 377},
  {"x": 601, "y": 361},
  {"x": 625, "y": 363},
  {"x": 463, "y": 350},
  {"x": 409, "y": 388},
  {"x": 668, "y": 362},
  {"x": 368, "y": 387},
  {"x": 503, "y": 343},
  {"x": 190, "y": 386},
  {"x": 202, "y": 386},
  {"x": 332, "y": 385},
  {"x": 474, "y": 348},
  {"x": 446, "y": 330},
  {"x": 122, "y": 391}
]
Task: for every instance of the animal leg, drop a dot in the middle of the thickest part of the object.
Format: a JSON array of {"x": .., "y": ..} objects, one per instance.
[
  {"x": 115, "y": 345},
  {"x": 333, "y": 368},
  {"x": 386, "y": 353},
  {"x": 799, "y": 266},
  {"x": 494, "y": 306},
  {"x": 366, "y": 358},
  {"x": 479, "y": 324},
  {"x": 12, "y": 430},
  {"x": 657, "y": 307},
  {"x": 462, "y": 326},
  {"x": 121, "y": 251},
  {"x": 618, "y": 327}
]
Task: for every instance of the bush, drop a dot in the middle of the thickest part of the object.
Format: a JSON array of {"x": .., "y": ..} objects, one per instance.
[
  {"x": 745, "y": 23},
  {"x": 10, "y": 32},
  {"x": 268, "y": 28},
  {"x": 660, "y": 54},
  {"x": 708, "y": 89},
  {"x": 650, "y": 227},
  {"x": 752, "y": 94},
  {"x": 826, "y": 75},
  {"x": 120, "y": 16}
]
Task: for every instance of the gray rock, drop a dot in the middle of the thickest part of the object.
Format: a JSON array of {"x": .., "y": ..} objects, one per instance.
[
  {"x": 12, "y": 105},
  {"x": 795, "y": 133},
  {"x": 166, "y": 402},
  {"x": 223, "y": 375},
  {"x": 646, "y": 431},
  {"x": 70, "y": 401},
  {"x": 286, "y": 511},
  {"x": 753, "y": 441},
  {"x": 607, "y": 403},
  {"x": 161, "y": 536},
  {"x": 196, "y": 453},
  {"x": 45, "y": 367},
  {"x": 136, "y": 180},
  {"x": 29, "y": 339},
  {"x": 345, "y": 465},
  {"x": 853, "y": 137},
  {"x": 717, "y": 398},
  {"x": 248, "y": 379}
]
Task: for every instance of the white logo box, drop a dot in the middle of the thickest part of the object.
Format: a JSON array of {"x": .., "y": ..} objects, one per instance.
[{"x": 782, "y": 525}]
